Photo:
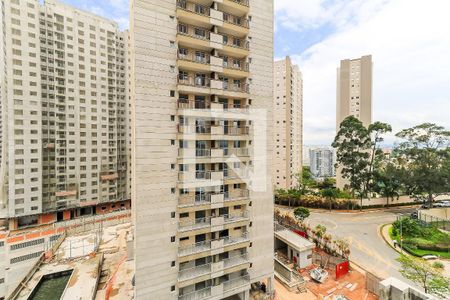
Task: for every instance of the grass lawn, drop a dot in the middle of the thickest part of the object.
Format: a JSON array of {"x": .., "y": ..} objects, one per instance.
[{"x": 433, "y": 237}]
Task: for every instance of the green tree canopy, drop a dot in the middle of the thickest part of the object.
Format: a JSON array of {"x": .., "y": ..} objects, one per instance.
[
  {"x": 423, "y": 273},
  {"x": 425, "y": 158}
]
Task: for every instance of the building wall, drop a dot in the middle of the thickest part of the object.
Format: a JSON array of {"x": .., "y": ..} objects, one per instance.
[
  {"x": 66, "y": 106},
  {"x": 287, "y": 124},
  {"x": 152, "y": 30},
  {"x": 166, "y": 139},
  {"x": 322, "y": 162},
  {"x": 353, "y": 95}
]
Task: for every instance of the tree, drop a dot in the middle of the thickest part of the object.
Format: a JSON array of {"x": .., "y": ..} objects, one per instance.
[
  {"x": 301, "y": 213},
  {"x": 425, "y": 156},
  {"x": 326, "y": 183},
  {"x": 330, "y": 194},
  {"x": 358, "y": 151},
  {"x": 387, "y": 180},
  {"x": 406, "y": 226},
  {"x": 423, "y": 273}
]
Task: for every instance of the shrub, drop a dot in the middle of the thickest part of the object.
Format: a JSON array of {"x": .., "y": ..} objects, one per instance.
[
  {"x": 409, "y": 227},
  {"x": 438, "y": 265},
  {"x": 301, "y": 213}
]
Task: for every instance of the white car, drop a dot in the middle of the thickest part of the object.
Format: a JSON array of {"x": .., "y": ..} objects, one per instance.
[{"x": 429, "y": 257}]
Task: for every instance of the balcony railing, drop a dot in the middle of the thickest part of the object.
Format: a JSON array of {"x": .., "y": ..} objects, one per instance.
[
  {"x": 228, "y": 285},
  {"x": 195, "y": 57},
  {"x": 194, "y": 31},
  {"x": 239, "y": 21},
  {"x": 201, "y": 270},
  {"x": 191, "y": 104},
  {"x": 241, "y": 65},
  {"x": 235, "y": 87},
  {"x": 193, "y": 7},
  {"x": 195, "y": 223},
  {"x": 199, "y": 199},
  {"x": 206, "y": 245},
  {"x": 194, "y": 81},
  {"x": 236, "y": 194},
  {"x": 241, "y": 2},
  {"x": 218, "y": 129}
]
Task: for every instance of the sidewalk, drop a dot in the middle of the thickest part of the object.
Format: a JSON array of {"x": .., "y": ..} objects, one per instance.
[{"x": 384, "y": 232}]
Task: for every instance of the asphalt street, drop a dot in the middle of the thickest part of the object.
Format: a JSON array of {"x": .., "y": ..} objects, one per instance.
[{"x": 362, "y": 230}]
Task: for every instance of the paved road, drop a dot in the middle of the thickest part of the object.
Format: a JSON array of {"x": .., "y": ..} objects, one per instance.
[{"x": 367, "y": 247}]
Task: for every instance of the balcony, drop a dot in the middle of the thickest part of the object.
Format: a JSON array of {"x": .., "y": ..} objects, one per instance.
[
  {"x": 212, "y": 244},
  {"x": 194, "y": 224},
  {"x": 200, "y": 37},
  {"x": 186, "y": 176},
  {"x": 199, "y": 199},
  {"x": 201, "y": 82},
  {"x": 238, "y": 86},
  {"x": 186, "y": 153},
  {"x": 218, "y": 290},
  {"x": 198, "y": 271},
  {"x": 209, "y": 16},
  {"x": 237, "y": 194},
  {"x": 215, "y": 130}
]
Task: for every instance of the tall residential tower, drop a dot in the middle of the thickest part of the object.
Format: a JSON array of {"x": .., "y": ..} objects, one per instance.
[
  {"x": 287, "y": 124},
  {"x": 202, "y": 73},
  {"x": 353, "y": 94},
  {"x": 64, "y": 113}
]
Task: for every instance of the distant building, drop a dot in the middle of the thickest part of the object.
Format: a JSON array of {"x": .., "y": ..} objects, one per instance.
[
  {"x": 321, "y": 162},
  {"x": 287, "y": 123},
  {"x": 353, "y": 94}
]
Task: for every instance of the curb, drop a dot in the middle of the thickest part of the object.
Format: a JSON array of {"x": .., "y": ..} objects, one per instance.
[
  {"x": 358, "y": 211},
  {"x": 404, "y": 252}
]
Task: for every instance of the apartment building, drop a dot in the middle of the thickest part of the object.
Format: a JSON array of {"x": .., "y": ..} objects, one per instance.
[
  {"x": 322, "y": 162},
  {"x": 287, "y": 124},
  {"x": 64, "y": 114},
  {"x": 202, "y": 70},
  {"x": 353, "y": 94}
]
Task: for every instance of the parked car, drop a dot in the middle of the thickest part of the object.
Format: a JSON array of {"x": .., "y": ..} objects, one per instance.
[
  {"x": 426, "y": 206},
  {"x": 429, "y": 257}
]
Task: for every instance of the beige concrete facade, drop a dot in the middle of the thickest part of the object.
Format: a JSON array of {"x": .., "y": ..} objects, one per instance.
[
  {"x": 199, "y": 69},
  {"x": 63, "y": 110},
  {"x": 287, "y": 124},
  {"x": 353, "y": 95}
]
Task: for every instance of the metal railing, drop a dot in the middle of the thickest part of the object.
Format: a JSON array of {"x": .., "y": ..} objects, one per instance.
[
  {"x": 241, "y": 2},
  {"x": 193, "y": 7},
  {"x": 206, "y": 245},
  {"x": 193, "y": 56},
  {"x": 239, "y": 21},
  {"x": 236, "y": 282},
  {"x": 235, "y": 87},
  {"x": 236, "y": 194},
  {"x": 194, "y": 81},
  {"x": 193, "y": 31},
  {"x": 242, "y": 65}
]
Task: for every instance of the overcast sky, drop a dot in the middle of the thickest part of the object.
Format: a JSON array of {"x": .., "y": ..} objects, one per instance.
[{"x": 408, "y": 39}]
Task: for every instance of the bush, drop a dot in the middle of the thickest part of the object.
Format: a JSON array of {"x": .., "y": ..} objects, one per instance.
[
  {"x": 301, "y": 213},
  {"x": 438, "y": 265},
  {"x": 409, "y": 227}
]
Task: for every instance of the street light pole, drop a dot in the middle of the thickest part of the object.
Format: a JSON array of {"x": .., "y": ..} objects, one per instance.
[{"x": 401, "y": 236}]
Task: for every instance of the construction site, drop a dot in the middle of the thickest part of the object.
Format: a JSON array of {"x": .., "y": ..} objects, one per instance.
[{"x": 92, "y": 259}]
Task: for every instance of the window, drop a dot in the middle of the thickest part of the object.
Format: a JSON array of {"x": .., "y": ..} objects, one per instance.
[{"x": 182, "y": 28}]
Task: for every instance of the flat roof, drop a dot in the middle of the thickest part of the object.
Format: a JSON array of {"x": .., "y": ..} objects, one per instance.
[{"x": 294, "y": 240}]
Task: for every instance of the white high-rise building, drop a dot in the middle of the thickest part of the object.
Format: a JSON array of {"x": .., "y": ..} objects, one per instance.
[
  {"x": 287, "y": 124},
  {"x": 322, "y": 162},
  {"x": 202, "y": 71},
  {"x": 63, "y": 114}
]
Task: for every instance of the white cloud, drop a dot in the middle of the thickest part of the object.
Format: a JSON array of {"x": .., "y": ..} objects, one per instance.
[{"x": 410, "y": 44}]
